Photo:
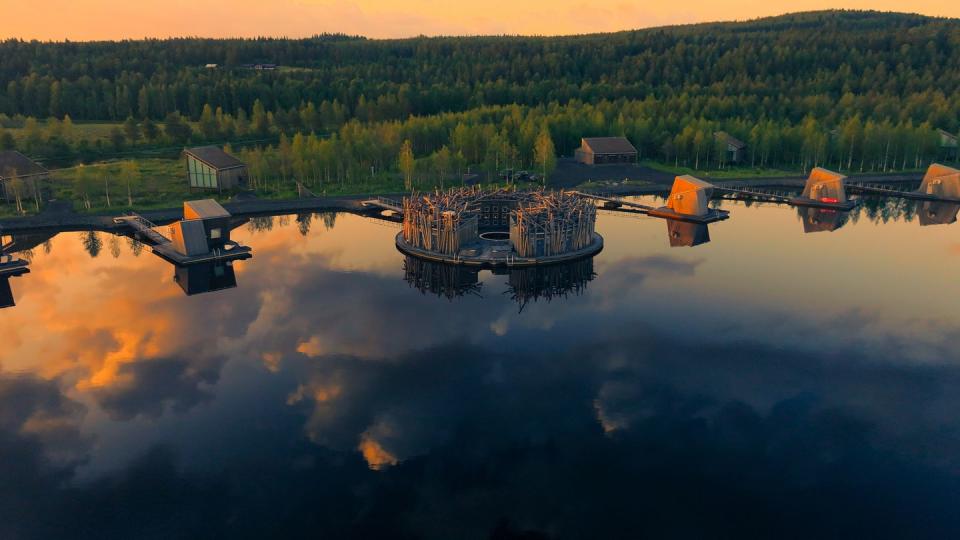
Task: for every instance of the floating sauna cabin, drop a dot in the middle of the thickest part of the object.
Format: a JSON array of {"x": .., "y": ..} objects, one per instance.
[
  {"x": 821, "y": 219},
  {"x": 502, "y": 227},
  {"x": 941, "y": 181},
  {"x": 689, "y": 200},
  {"x": 824, "y": 189},
  {"x": 203, "y": 235}
]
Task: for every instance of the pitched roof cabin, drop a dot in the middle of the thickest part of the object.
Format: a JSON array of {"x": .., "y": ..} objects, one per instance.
[
  {"x": 598, "y": 150},
  {"x": 14, "y": 165},
  {"x": 734, "y": 147},
  {"x": 209, "y": 167}
]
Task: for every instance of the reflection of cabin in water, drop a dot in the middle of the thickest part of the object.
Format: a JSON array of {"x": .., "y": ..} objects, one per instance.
[
  {"x": 937, "y": 213},
  {"x": 16, "y": 166},
  {"x": 600, "y": 150},
  {"x": 821, "y": 219},
  {"x": 206, "y": 277},
  {"x": 209, "y": 167},
  {"x": 9, "y": 267},
  {"x": 687, "y": 234}
]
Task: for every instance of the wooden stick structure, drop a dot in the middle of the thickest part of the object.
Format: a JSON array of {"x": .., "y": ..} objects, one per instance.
[{"x": 540, "y": 223}]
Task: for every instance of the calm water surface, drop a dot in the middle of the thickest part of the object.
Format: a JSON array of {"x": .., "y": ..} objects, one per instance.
[{"x": 770, "y": 382}]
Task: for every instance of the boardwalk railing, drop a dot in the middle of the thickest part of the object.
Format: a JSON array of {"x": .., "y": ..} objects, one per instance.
[
  {"x": 751, "y": 193},
  {"x": 385, "y": 203},
  {"x": 143, "y": 227}
]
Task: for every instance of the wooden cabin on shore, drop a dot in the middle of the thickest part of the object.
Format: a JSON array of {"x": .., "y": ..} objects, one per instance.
[
  {"x": 15, "y": 166},
  {"x": 600, "y": 150},
  {"x": 209, "y": 167}
]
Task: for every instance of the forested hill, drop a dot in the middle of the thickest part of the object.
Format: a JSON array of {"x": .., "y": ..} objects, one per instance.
[
  {"x": 860, "y": 91},
  {"x": 791, "y": 65}
]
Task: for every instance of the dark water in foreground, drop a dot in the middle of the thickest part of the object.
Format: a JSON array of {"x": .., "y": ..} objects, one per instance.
[{"x": 767, "y": 383}]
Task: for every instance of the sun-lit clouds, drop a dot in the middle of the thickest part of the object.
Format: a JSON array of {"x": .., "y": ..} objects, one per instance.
[{"x": 113, "y": 19}]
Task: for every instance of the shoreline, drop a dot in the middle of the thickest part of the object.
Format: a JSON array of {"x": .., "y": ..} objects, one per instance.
[{"x": 68, "y": 220}]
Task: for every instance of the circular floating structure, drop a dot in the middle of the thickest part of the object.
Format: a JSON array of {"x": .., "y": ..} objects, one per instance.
[{"x": 499, "y": 228}]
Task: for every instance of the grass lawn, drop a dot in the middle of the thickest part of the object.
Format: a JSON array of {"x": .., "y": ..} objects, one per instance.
[
  {"x": 163, "y": 184},
  {"x": 732, "y": 172}
]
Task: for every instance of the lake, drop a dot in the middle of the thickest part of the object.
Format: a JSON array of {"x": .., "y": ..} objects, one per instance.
[{"x": 768, "y": 381}]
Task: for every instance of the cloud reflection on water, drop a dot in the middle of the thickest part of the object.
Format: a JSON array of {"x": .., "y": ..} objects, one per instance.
[{"x": 640, "y": 407}]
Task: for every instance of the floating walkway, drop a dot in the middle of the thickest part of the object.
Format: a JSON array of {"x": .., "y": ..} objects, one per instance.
[
  {"x": 384, "y": 203},
  {"x": 10, "y": 267}
]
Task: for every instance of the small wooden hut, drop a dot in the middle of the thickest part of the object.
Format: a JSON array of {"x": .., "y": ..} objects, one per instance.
[
  {"x": 941, "y": 181},
  {"x": 15, "y": 166}
]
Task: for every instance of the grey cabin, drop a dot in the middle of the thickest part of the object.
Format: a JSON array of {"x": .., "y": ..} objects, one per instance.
[{"x": 209, "y": 167}]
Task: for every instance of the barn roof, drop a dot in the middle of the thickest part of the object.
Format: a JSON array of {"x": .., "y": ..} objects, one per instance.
[
  {"x": 608, "y": 145},
  {"x": 730, "y": 139},
  {"x": 215, "y": 157},
  {"x": 204, "y": 209},
  {"x": 24, "y": 166}
]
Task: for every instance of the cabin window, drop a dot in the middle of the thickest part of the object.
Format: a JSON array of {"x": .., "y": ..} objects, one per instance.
[{"x": 214, "y": 234}]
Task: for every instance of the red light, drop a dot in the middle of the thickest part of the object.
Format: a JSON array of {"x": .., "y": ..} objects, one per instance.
[{"x": 829, "y": 199}]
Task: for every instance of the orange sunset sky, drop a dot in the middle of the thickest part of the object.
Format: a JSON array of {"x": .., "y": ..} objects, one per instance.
[{"x": 118, "y": 19}]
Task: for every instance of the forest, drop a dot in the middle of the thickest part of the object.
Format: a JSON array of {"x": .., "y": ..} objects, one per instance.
[{"x": 852, "y": 90}]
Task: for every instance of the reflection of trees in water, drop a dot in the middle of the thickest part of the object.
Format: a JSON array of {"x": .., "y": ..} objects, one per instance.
[
  {"x": 444, "y": 280},
  {"x": 549, "y": 282},
  {"x": 305, "y": 221},
  {"x": 92, "y": 243},
  {"x": 136, "y": 246},
  {"x": 884, "y": 209},
  {"x": 260, "y": 224}
]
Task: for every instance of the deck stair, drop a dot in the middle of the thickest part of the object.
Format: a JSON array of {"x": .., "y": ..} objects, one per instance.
[{"x": 143, "y": 228}]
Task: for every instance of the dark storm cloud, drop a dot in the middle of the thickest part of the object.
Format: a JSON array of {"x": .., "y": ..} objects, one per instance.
[{"x": 148, "y": 387}]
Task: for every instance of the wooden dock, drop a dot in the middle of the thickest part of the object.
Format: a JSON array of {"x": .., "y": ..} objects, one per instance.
[
  {"x": 384, "y": 203},
  {"x": 891, "y": 191},
  {"x": 12, "y": 267}
]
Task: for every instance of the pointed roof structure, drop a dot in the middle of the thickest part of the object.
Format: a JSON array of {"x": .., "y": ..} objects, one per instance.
[
  {"x": 824, "y": 184},
  {"x": 15, "y": 164},
  {"x": 608, "y": 145},
  {"x": 690, "y": 196},
  {"x": 215, "y": 157},
  {"x": 727, "y": 138},
  {"x": 941, "y": 181}
]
